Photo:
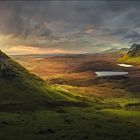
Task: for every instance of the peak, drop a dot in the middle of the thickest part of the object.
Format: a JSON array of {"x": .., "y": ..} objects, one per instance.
[
  {"x": 3, "y": 55},
  {"x": 135, "y": 46},
  {"x": 8, "y": 67}
]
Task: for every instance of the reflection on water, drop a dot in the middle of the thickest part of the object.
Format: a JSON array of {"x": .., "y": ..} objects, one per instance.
[
  {"x": 125, "y": 65},
  {"x": 109, "y": 73}
]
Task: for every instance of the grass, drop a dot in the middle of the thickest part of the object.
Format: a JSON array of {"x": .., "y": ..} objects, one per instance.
[
  {"x": 70, "y": 123},
  {"x": 124, "y": 101},
  {"x": 100, "y": 120},
  {"x": 33, "y": 110},
  {"x": 130, "y": 60},
  {"x": 124, "y": 114},
  {"x": 77, "y": 123}
]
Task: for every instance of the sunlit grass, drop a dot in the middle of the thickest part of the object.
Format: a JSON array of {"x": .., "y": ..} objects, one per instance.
[
  {"x": 127, "y": 59},
  {"x": 122, "y": 113}
]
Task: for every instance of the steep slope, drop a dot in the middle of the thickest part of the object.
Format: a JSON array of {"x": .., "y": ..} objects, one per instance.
[
  {"x": 21, "y": 90},
  {"x": 134, "y": 51},
  {"x": 132, "y": 56}
]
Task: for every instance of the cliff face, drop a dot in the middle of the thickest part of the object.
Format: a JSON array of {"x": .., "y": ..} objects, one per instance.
[{"x": 134, "y": 50}]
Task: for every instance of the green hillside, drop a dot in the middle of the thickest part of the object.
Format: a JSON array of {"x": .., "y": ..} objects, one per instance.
[
  {"x": 132, "y": 56},
  {"x": 130, "y": 60},
  {"x": 21, "y": 90}
]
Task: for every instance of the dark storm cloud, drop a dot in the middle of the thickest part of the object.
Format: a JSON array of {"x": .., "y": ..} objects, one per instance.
[
  {"x": 132, "y": 37},
  {"x": 65, "y": 21}
]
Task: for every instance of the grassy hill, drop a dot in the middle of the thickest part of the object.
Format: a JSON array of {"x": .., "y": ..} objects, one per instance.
[
  {"x": 132, "y": 56},
  {"x": 21, "y": 90}
]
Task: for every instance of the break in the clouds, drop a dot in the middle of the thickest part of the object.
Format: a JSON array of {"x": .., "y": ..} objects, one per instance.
[{"x": 68, "y": 26}]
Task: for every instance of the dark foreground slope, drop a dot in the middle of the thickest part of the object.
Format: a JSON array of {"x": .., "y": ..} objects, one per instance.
[{"x": 21, "y": 90}]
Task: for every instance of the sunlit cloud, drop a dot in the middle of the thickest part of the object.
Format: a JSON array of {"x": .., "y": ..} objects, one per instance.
[
  {"x": 35, "y": 50},
  {"x": 89, "y": 30}
]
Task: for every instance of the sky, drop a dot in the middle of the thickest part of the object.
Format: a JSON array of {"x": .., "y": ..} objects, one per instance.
[{"x": 70, "y": 26}]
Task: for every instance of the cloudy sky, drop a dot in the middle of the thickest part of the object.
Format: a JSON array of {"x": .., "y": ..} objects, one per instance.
[{"x": 74, "y": 26}]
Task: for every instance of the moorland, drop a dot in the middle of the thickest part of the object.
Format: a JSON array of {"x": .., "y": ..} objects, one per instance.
[{"x": 62, "y": 97}]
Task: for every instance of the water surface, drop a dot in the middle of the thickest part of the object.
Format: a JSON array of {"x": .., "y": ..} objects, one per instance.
[
  {"x": 109, "y": 73},
  {"x": 125, "y": 65}
]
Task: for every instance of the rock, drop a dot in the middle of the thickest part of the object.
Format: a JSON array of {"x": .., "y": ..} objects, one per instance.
[{"x": 134, "y": 50}]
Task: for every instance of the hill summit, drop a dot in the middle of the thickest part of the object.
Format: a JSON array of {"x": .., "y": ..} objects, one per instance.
[{"x": 9, "y": 68}]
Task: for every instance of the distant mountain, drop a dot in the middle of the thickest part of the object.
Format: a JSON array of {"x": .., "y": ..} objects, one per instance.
[
  {"x": 46, "y": 55},
  {"x": 21, "y": 90},
  {"x": 116, "y": 50},
  {"x": 132, "y": 56}
]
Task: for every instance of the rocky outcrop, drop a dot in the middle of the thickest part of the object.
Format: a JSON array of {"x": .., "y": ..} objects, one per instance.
[{"x": 134, "y": 50}]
